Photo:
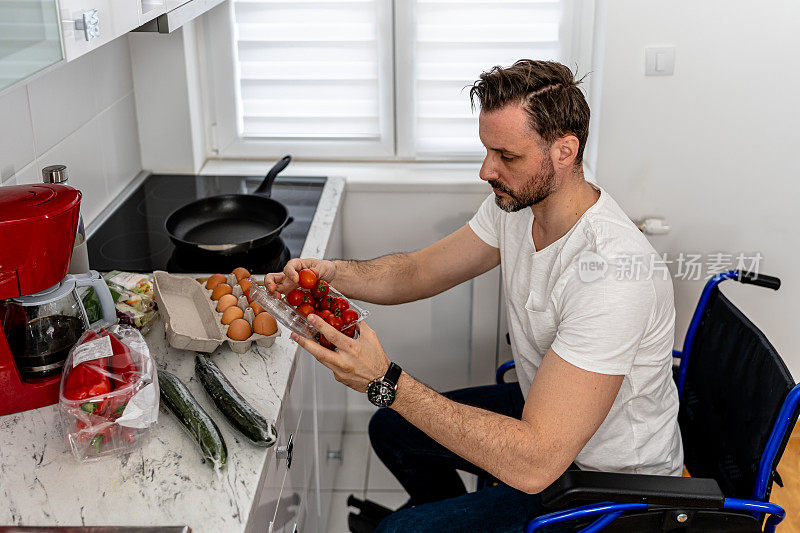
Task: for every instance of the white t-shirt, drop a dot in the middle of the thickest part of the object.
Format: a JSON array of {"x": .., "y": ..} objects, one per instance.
[{"x": 602, "y": 299}]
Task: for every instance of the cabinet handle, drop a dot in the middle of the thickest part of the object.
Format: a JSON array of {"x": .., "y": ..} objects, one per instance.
[
  {"x": 286, "y": 451},
  {"x": 334, "y": 454},
  {"x": 89, "y": 23}
]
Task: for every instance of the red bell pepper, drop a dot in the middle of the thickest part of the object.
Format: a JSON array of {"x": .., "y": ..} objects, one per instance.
[
  {"x": 122, "y": 367},
  {"x": 88, "y": 380}
]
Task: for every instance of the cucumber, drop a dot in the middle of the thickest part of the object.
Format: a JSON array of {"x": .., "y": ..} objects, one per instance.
[
  {"x": 193, "y": 418},
  {"x": 239, "y": 413}
]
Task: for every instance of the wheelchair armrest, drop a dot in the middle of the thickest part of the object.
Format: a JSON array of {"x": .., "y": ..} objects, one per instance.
[{"x": 586, "y": 486}]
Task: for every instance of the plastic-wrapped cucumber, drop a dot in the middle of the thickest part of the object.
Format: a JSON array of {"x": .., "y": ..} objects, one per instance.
[
  {"x": 239, "y": 413},
  {"x": 193, "y": 418}
]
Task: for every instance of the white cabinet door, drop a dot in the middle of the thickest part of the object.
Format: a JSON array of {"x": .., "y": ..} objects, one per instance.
[
  {"x": 299, "y": 458},
  {"x": 265, "y": 515},
  {"x": 29, "y": 39},
  {"x": 150, "y": 9},
  {"x": 89, "y": 24}
]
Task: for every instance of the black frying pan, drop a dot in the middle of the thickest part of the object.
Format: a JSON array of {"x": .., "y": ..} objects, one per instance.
[{"x": 231, "y": 223}]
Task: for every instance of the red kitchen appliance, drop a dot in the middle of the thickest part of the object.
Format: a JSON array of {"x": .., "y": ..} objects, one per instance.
[{"x": 40, "y": 310}]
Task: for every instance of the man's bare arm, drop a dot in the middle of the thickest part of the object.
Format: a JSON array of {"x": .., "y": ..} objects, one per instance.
[
  {"x": 398, "y": 278},
  {"x": 564, "y": 408}
]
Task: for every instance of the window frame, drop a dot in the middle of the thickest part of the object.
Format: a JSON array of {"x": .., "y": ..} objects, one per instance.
[{"x": 396, "y": 85}]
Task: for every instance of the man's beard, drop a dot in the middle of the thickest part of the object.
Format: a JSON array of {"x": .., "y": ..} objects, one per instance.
[{"x": 534, "y": 191}]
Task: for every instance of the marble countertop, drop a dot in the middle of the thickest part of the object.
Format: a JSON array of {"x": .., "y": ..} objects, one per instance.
[{"x": 164, "y": 482}]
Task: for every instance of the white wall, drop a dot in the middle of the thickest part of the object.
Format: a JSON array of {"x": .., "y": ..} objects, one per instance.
[
  {"x": 81, "y": 114},
  {"x": 712, "y": 148}
]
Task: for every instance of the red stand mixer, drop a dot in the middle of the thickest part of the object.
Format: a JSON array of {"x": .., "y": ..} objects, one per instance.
[{"x": 40, "y": 311}]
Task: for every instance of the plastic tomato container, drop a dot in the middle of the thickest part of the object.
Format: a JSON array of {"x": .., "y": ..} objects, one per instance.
[{"x": 291, "y": 317}]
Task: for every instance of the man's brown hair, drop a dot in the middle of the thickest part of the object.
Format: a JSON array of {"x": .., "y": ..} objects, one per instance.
[{"x": 548, "y": 92}]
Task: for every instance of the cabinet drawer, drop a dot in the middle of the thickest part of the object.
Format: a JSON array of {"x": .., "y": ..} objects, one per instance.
[{"x": 269, "y": 498}]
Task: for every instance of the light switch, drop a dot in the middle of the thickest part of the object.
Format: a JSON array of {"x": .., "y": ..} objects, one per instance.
[{"x": 659, "y": 60}]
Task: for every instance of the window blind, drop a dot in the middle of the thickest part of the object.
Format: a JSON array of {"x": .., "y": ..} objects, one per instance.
[
  {"x": 308, "y": 69},
  {"x": 456, "y": 40}
]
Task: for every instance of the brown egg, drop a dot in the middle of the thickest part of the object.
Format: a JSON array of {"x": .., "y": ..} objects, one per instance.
[
  {"x": 264, "y": 324},
  {"x": 226, "y": 301},
  {"x": 231, "y": 313},
  {"x": 221, "y": 290},
  {"x": 241, "y": 273},
  {"x": 239, "y": 330},
  {"x": 214, "y": 280},
  {"x": 246, "y": 285},
  {"x": 256, "y": 308}
]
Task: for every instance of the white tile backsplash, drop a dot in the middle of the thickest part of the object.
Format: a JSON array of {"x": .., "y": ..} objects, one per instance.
[
  {"x": 113, "y": 77},
  {"x": 121, "y": 159},
  {"x": 81, "y": 152},
  {"x": 16, "y": 136},
  {"x": 81, "y": 114},
  {"x": 62, "y": 101},
  {"x": 28, "y": 174}
]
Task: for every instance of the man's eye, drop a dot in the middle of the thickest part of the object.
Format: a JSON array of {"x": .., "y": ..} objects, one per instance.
[{"x": 506, "y": 157}]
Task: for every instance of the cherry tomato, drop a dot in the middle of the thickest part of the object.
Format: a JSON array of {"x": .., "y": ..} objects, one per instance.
[
  {"x": 307, "y": 278},
  {"x": 325, "y": 303},
  {"x": 326, "y": 343},
  {"x": 305, "y": 309},
  {"x": 324, "y": 314},
  {"x": 335, "y": 321},
  {"x": 349, "y": 316},
  {"x": 295, "y": 297},
  {"x": 320, "y": 290},
  {"x": 338, "y": 305},
  {"x": 350, "y": 331},
  {"x": 308, "y": 299}
]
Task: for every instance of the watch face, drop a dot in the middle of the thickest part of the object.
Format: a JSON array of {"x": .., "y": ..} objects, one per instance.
[{"x": 380, "y": 393}]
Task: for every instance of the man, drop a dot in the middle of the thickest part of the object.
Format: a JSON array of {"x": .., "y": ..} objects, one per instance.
[{"x": 591, "y": 338}]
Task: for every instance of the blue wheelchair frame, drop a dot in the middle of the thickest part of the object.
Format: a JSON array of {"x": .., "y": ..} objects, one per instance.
[{"x": 610, "y": 511}]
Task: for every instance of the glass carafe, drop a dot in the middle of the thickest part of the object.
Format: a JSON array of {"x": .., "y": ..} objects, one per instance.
[{"x": 41, "y": 328}]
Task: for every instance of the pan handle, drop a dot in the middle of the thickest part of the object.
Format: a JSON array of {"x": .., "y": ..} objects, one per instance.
[
  {"x": 265, "y": 189},
  {"x": 289, "y": 220}
]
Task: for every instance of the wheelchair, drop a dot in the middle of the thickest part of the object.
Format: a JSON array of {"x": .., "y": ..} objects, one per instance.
[{"x": 738, "y": 406}]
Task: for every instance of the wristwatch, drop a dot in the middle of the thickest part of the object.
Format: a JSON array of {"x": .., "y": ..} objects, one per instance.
[{"x": 381, "y": 391}]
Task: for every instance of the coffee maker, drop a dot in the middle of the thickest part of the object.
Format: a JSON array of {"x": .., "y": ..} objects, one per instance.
[{"x": 41, "y": 313}]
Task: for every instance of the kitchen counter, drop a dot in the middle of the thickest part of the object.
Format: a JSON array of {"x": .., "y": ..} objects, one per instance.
[{"x": 165, "y": 481}]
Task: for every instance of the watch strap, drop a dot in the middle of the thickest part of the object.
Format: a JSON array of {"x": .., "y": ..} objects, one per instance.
[{"x": 393, "y": 374}]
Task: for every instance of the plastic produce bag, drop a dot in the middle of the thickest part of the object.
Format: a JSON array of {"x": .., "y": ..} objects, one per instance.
[
  {"x": 109, "y": 393},
  {"x": 133, "y": 298}
]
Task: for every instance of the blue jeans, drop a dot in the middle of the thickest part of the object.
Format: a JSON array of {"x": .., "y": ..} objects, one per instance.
[{"x": 427, "y": 470}]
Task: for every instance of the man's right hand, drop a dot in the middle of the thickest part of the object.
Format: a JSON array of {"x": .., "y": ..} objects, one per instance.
[{"x": 283, "y": 282}]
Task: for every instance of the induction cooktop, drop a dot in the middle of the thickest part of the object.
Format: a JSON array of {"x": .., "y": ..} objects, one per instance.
[{"x": 133, "y": 238}]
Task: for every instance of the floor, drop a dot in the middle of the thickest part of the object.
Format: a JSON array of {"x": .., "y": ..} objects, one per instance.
[
  {"x": 788, "y": 496},
  {"x": 365, "y": 479}
]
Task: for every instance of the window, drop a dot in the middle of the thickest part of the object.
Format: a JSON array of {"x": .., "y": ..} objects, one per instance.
[{"x": 372, "y": 79}]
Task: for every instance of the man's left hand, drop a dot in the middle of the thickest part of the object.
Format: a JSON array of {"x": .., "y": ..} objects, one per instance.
[{"x": 357, "y": 361}]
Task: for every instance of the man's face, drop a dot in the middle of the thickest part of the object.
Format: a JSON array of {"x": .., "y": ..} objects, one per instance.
[{"x": 519, "y": 170}]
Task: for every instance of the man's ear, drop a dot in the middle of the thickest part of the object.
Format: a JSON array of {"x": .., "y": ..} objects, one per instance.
[{"x": 566, "y": 150}]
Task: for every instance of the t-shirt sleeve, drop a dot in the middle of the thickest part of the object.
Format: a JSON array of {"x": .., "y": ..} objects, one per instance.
[
  {"x": 484, "y": 222},
  {"x": 602, "y": 323}
]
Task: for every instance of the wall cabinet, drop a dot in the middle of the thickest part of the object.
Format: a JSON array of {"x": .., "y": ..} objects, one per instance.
[
  {"x": 29, "y": 39},
  {"x": 88, "y": 24}
]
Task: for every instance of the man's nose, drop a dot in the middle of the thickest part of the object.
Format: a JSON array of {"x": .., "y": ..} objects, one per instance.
[{"x": 487, "y": 171}]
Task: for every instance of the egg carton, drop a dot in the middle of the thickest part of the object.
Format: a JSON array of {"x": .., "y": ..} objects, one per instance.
[{"x": 191, "y": 319}]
